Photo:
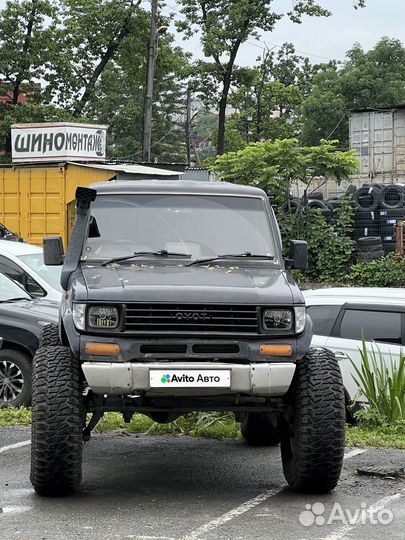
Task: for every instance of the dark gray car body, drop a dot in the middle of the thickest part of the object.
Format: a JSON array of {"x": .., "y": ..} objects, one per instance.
[
  {"x": 249, "y": 283},
  {"x": 21, "y": 322}
]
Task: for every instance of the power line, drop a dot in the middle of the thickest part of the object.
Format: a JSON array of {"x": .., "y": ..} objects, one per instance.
[
  {"x": 337, "y": 125},
  {"x": 139, "y": 152},
  {"x": 277, "y": 46}
]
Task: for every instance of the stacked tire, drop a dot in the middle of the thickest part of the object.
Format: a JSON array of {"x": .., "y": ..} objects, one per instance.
[
  {"x": 388, "y": 220},
  {"x": 323, "y": 207},
  {"x": 378, "y": 209},
  {"x": 369, "y": 248}
]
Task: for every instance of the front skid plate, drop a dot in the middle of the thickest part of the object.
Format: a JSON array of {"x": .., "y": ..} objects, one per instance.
[{"x": 260, "y": 379}]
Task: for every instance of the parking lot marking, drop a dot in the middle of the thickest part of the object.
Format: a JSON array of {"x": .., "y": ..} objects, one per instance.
[
  {"x": 13, "y": 446},
  {"x": 232, "y": 514},
  {"x": 381, "y": 504},
  {"x": 354, "y": 452},
  {"x": 248, "y": 505}
]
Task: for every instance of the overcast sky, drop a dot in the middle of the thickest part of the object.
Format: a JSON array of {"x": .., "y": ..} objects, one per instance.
[{"x": 323, "y": 39}]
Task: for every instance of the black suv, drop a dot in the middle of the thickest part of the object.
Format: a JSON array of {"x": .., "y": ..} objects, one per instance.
[{"x": 178, "y": 299}]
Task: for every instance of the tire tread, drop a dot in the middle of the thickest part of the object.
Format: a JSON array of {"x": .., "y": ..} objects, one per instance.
[
  {"x": 56, "y": 442},
  {"x": 319, "y": 410}
]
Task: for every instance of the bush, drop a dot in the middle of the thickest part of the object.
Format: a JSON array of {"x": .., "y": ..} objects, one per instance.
[
  {"x": 386, "y": 272},
  {"x": 383, "y": 385},
  {"x": 329, "y": 247}
]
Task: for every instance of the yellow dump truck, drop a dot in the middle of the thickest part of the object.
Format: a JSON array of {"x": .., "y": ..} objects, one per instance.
[{"x": 38, "y": 200}]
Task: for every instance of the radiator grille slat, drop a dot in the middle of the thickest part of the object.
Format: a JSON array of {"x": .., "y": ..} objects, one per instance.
[{"x": 191, "y": 318}]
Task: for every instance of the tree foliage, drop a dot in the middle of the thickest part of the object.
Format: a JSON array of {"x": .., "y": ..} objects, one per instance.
[
  {"x": 371, "y": 79},
  {"x": 86, "y": 60},
  {"x": 276, "y": 166},
  {"x": 118, "y": 101},
  {"x": 90, "y": 35},
  {"x": 267, "y": 98},
  {"x": 26, "y": 44},
  {"x": 224, "y": 26}
]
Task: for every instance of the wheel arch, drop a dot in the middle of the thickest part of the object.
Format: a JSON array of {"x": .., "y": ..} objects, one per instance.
[{"x": 13, "y": 346}]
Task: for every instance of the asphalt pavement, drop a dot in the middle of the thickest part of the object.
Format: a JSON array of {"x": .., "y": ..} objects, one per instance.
[{"x": 181, "y": 488}]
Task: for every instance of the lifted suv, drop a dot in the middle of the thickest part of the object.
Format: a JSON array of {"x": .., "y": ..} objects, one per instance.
[{"x": 178, "y": 299}]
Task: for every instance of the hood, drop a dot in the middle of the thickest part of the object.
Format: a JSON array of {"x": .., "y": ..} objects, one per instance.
[
  {"x": 181, "y": 284},
  {"x": 37, "y": 309}
]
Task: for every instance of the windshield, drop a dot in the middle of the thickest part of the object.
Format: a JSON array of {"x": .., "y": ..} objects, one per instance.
[
  {"x": 201, "y": 226},
  {"x": 9, "y": 290},
  {"x": 50, "y": 274}
]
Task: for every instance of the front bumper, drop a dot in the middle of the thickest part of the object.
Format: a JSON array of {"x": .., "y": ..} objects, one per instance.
[{"x": 128, "y": 378}]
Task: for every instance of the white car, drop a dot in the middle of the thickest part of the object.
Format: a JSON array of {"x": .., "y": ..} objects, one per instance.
[
  {"x": 25, "y": 264},
  {"x": 340, "y": 315}
]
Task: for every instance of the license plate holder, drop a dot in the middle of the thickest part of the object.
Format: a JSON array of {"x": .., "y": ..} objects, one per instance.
[{"x": 189, "y": 378}]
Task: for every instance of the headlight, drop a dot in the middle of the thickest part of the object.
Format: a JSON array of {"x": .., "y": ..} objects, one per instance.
[
  {"x": 277, "y": 319},
  {"x": 102, "y": 317},
  {"x": 78, "y": 315},
  {"x": 300, "y": 319}
]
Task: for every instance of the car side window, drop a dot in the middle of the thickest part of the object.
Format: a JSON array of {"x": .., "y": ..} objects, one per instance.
[
  {"x": 18, "y": 274},
  {"x": 380, "y": 326},
  {"x": 33, "y": 288},
  {"x": 12, "y": 270},
  {"x": 323, "y": 318}
]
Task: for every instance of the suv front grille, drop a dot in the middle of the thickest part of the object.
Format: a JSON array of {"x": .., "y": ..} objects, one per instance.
[{"x": 191, "y": 318}]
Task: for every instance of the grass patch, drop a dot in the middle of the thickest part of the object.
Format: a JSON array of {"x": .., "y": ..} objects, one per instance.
[
  {"x": 212, "y": 426},
  {"x": 385, "y": 437},
  {"x": 15, "y": 417}
]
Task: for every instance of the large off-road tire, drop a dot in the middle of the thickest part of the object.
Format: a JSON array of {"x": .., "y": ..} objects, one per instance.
[
  {"x": 312, "y": 446},
  {"x": 57, "y": 416},
  {"x": 258, "y": 430},
  {"x": 49, "y": 336},
  {"x": 15, "y": 378}
]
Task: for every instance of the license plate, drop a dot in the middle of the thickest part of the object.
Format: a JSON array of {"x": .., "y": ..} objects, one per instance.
[{"x": 190, "y": 378}]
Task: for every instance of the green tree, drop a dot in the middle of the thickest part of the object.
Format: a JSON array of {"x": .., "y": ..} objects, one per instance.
[
  {"x": 26, "y": 44},
  {"x": 90, "y": 34},
  {"x": 367, "y": 79},
  {"x": 225, "y": 26},
  {"x": 267, "y": 97},
  {"x": 119, "y": 95},
  {"x": 276, "y": 166}
]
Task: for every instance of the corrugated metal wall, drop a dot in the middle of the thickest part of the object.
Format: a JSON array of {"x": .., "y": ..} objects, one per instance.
[
  {"x": 34, "y": 200},
  {"x": 379, "y": 138}
]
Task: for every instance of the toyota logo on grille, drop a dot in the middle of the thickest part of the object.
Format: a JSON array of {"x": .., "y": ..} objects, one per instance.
[{"x": 192, "y": 316}]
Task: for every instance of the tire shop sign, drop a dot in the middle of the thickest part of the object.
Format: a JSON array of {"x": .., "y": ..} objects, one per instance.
[{"x": 36, "y": 143}]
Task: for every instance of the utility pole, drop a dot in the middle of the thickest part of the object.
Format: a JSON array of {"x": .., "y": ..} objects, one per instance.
[
  {"x": 188, "y": 126},
  {"x": 148, "y": 102}
]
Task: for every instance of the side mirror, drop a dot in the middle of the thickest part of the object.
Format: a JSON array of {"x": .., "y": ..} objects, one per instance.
[
  {"x": 298, "y": 256},
  {"x": 53, "y": 251}
]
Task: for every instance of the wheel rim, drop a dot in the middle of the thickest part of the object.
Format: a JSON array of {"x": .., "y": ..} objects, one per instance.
[{"x": 11, "y": 381}]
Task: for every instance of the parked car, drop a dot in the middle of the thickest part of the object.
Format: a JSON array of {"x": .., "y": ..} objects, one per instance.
[
  {"x": 177, "y": 299},
  {"x": 21, "y": 321},
  {"x": 341, "y": 315},
  {"x": 25, "y": 263}
]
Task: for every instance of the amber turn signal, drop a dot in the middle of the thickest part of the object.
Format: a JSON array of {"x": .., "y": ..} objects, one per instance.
[
  {"x": 103, "y": 349},
  {"x": 275, "y": 350}
]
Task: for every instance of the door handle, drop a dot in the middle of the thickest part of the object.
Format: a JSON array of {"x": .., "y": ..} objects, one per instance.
[{"x": 340, "y": 355}]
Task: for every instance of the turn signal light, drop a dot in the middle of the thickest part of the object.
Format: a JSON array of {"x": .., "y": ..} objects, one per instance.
[
  {"x": 276, "y": 350},
  {"x": 103, "y": 349}
]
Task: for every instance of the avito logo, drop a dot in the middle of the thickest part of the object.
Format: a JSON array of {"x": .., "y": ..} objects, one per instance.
[{"x": 184, "y": 378}]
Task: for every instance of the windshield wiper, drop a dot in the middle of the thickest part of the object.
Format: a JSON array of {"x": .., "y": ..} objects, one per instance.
[
  {"x": 243, "y": 255},
  {"x": 159, "y": 253}
]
